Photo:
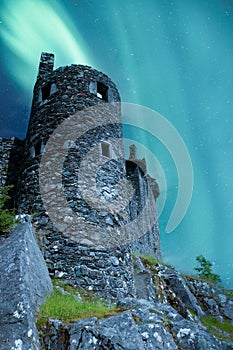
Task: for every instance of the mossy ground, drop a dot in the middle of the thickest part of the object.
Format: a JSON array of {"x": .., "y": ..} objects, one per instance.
[{"x": 68, "y": 309}]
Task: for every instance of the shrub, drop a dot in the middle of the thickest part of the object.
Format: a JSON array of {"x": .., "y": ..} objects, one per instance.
[
  {"x": 6, "y": 215},
  {"x": 204, "y": 270}
]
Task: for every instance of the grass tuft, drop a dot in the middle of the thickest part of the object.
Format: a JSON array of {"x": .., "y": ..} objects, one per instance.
[{"x": 66, "y": 308}]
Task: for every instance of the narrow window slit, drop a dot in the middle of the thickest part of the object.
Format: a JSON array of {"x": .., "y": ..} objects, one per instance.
[
  {"x": 37, "y": 149},
  {"x": 105, "y": 148},
  {"x": 46, "y": 91},
  {"x": 102, "y": 91}
]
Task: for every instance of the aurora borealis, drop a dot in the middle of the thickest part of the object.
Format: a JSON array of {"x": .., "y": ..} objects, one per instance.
[{"x": 174, "y": 57}]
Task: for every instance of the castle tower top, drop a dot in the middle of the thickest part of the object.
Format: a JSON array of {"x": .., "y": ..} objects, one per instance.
[
  {"x": 46, "y": 63},
  {"x": 58, "y": 94}
]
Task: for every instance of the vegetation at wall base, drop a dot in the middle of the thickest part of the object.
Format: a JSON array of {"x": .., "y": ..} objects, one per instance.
[
  {"x": 6, "y": 215},
  {"x": 68, "y": 309}
]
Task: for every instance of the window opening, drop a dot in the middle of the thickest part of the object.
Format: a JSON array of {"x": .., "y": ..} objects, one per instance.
[
  {"x": 46, "y": 91},
  {"x": 37, "y": 149},
  {"x": 102, "y": 91},
  {"x": 105, "y": 148}
]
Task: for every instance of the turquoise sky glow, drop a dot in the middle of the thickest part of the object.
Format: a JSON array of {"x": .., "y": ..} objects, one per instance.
[{"x": 172, "y": 56}]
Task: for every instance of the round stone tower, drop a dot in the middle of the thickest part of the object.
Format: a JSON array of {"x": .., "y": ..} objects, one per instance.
[
  {"x": 75, "y": 182},
  {"x": 57, "y": 95}
]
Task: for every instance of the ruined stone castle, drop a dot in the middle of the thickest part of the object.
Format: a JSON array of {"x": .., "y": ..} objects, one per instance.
[
  {"x": 58, "y": 95},
  {"x": 91, "y": 227}
]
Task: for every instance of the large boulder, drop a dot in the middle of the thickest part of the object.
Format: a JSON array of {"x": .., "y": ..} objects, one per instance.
[{"x": 24, "y": 285}]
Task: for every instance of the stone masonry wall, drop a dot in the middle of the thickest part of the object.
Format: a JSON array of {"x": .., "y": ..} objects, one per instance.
[
  {"x": 105, "y": 272},
  {"x": 149, "y": 242},
  {"x": 57, "y": 95},
  {"x": 11, "y": 160},
  {"x": 84, "y": 261}
]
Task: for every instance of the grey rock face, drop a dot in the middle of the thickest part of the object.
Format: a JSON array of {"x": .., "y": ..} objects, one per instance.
[
  {"x": 147, "y": 326},
  {"x": 212, "y": 298},
  {"x": 24, "y": 284},
  {"x": 175, "y": 281}
]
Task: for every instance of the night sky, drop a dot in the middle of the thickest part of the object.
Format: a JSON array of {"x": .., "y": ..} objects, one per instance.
[{"x": 174, "y": 57}]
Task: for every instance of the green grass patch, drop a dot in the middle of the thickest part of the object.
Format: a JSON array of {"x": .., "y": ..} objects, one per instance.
[
  {"x": 193, "y": 313},
  {"x": 66, "y": 308},
  {"x": 149, "y": 259},
  {"x": 222, "y": 330},
  {"x": 229, "y": 293}
]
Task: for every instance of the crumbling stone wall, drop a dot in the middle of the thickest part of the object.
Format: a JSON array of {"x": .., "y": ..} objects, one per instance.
[
  {"x": 5, "y": 151},
  {"x": 107, "y": 272},
  {"x": 11, "y": 151},
  {"x": 11, "y": 161},
  {"x": 59, "y": 94},
  {"x": 149, "y": 242}
]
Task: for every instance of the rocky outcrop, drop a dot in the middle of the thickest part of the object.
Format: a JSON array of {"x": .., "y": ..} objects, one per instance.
[
  {"x": 146, "y": 326},
  {"x": 24, "y": 284},
  {"x": 167, "y": 314},
  {"x": 167, "y": 311}
]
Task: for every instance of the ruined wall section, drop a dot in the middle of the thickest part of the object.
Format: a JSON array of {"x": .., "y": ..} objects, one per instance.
[
  {"x": 6, "y": 146},
  {"x": 149, "y": 241},
  {"x": 107, "y": 272},
  {"x": 11, "y": 161}
]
